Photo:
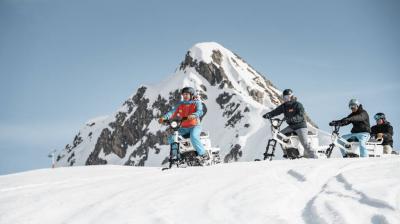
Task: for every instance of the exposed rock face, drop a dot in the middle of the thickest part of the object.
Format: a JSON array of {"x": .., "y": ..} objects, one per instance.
[
  {"x": 257, "y": 95},
  {"x": 133, "y": 130},
  {"x": 223, "y": 99},
  {"x": 124, "y": 132},
  {"x": 217, "y": 56},
  {"x": 230, "y": 109},
  {"x": 234, "y": 119},
  {"x": 212, "y": 73},
  {"x": 234, "y": 154}
]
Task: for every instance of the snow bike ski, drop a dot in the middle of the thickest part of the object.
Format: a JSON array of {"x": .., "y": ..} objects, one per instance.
[
  {"x": 183, "y": 154},
  {"x": 290, "y": 142},
  {"x": 351, "y": 147}
]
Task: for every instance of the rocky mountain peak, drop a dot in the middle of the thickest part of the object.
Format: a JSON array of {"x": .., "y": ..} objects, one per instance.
[{"x": 225, "y": 69}]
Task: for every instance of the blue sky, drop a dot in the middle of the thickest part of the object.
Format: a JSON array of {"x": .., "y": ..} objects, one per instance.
[{"x": 64, "y": 62}]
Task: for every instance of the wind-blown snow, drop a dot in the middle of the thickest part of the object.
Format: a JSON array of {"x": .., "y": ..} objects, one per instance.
[{"x": 298, "y": 191}]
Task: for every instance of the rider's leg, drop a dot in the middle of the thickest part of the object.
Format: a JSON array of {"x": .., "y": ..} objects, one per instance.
[
  {"x": 387, "y": 149},
  {"x": 285, "y": 131},
  {"x": 195, "y": 139},
  {"x": 171, "y": 139},
  {"x": 346, "y": 137},
  {"x": 302, "y": 133},
  {"x": 181, "y": 131},
  {"x": 174, "y": 147},
  {"x": 363, "y": 138}
]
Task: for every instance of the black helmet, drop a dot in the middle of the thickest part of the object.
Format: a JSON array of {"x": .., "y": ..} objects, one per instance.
[
  {"x": 379, "y": 115},
  {"x": 287, "y": 92},
  {"x": 189, "y": 90}
]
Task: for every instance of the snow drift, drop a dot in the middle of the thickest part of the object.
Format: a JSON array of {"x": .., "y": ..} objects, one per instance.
[{"x": 298, "y": 191}]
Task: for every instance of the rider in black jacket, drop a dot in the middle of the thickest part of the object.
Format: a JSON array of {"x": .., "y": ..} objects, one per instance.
[
  {"x": 361, "y": 127},
  {"x": 383, "y": 130},
  {"x": 295, "y": 118},
  {"x": 360, "y": 120}
]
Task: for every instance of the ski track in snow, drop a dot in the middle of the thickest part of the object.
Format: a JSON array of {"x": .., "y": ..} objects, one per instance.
[{"x": 299, "y": 191}]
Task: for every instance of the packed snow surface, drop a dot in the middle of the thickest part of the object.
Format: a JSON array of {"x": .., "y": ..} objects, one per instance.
[{"x": 281, "y": 191}]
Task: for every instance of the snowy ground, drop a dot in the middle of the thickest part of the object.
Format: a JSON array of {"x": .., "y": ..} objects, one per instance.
[{"x": 302, "y": 191}]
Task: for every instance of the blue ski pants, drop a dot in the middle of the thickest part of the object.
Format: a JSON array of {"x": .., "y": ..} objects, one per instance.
[{"x": 362, "y": 138}]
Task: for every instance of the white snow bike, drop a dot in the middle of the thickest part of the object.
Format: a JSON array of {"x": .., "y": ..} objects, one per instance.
[
  {"x": 290, "y": 143},
  {"x": 351, "y": 146},
  {"x": 182, "y": 152}
]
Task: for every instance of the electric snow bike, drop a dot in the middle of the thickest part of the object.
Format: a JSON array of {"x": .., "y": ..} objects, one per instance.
[
  {"x": 290, "y": 142},
  {"x": 351, "y": 146},
  {"x": 183, "y": 154}
]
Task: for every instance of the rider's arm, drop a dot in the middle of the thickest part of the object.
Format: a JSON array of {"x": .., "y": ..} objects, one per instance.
[
  {"x": 389, "y": 132},
  {"x": 276, "y": 111},
  {"x": 344, "y": 121},
  {"x": 351, "y": 118},
  {"x": 199, "y": 109},
  {"x": 373, "y": 131},
  {"x": 169, "y": 114}
]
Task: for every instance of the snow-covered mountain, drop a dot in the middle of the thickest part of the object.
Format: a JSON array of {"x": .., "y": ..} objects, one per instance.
[
  {"x": 339, "y": 191},
  {"x": 234, "y": 95}
]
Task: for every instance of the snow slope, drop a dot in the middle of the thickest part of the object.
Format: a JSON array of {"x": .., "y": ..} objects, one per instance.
[{"x": 301, "y": 191}]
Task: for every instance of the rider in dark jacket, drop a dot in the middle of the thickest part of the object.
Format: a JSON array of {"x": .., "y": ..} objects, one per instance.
[
  {"x": 383, "y": 130},
  {"x": 361, "y": 127},
  {"x": 293, "y": 112},
  {"x": 359, "y": 119},
  {"x": 295, "y": 118}
]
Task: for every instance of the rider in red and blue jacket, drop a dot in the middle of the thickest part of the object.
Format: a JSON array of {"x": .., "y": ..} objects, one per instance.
[{"x": 193, "y": 110}]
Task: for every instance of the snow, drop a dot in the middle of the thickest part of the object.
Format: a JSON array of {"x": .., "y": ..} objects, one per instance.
[{"x": 282, "y": 191}]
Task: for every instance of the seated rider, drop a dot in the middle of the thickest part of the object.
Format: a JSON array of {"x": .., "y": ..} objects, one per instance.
[
  {"x": 295, "y": 118},
  {"x": 192, "y": 110},
  {"x": 361, "y": 127},
  {"x": 383, "y": 130}
]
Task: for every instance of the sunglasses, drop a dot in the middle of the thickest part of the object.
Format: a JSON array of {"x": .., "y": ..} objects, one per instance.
[
  {"x": 287, "y": 97},
  {"x": 378, "y": 117}
]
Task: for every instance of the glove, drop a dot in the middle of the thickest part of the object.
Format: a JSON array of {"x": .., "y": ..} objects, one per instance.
[
  {"x": 161, "y": 120},
  {"x": 266, "y": 116},
  {"x": 342, "y": 122},
  {"x": 334, "y": 123}
]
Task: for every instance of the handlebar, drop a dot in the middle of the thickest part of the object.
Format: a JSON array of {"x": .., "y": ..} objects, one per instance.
[
  {"x": 175, "y": 123},
  {"x": 177, "y": 119},
  {"x": 276, "y": 122},
  {"x": 336, "y": 126}
]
